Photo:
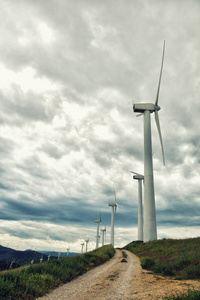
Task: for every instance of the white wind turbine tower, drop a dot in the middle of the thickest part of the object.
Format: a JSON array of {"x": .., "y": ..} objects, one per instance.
[
  {"x": 139, "y": 178},
  {"x": 82, "y": 244},
  {"x": 97, "y": 236},
  {"x": 150, "y": 227},
  {"x": 86, "y": 244},
  {"x": 103, "y": 231},
  {"x": 114, "y": 208},
  {"x": 68, "y": 251}
]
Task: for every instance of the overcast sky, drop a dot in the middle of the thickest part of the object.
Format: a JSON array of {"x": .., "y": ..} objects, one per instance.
[{"x": 70, "y": 72}]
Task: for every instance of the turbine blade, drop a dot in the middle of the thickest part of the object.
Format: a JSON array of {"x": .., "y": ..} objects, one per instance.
[
  {"x": 160, "y": 136},
  {"x": 114, "y": 193},
  {"x": 138, "y": 115},
  {"x": 156, "y": 102}
]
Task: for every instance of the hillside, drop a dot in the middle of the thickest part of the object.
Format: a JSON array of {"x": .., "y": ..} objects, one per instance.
[
  {"x": 36, "y": 280},
  {"x": 14, "y": 258},
  {"x": 176, "y": 258}
]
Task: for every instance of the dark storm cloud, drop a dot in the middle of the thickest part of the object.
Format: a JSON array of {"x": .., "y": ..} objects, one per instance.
[{"x": 71, "y": 71}]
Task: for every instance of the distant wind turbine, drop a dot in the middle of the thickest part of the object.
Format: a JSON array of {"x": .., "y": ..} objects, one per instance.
[
  {"x": 103, "y": 232},
  {"x": 68, "y": 251},
  {"x": 97, "y": 236},
  {"x": 139, "y": 178},
  {"x": 82, "y": 244},
  {"x": 86, "y": 244},
  {"x": 150, "y": 226},
  {"x": 113, "y": 214}
]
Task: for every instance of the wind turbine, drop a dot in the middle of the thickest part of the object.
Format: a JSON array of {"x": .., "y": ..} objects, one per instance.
[
  {"x": 97, "y": 236},
  {"x": 139, "y": 178},
  {"x": 150, "y": 227},
  {"x": 86, "y": 244},
  {"x": 103, "y": 231},
  {"x": 68, "y": 251},
  {"x": 82, "y": 244},
  {"x": 114, "y": 208}
]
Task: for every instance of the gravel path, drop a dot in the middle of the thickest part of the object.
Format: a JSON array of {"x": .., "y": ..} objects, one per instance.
[{"x": 119, "y": 280}]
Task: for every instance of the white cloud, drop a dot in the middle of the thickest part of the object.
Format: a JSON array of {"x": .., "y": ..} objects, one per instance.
[{"x": 26, "y": 79}]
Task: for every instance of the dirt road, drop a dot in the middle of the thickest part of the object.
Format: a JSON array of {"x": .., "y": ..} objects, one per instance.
[{"x": 119, "y": 280}]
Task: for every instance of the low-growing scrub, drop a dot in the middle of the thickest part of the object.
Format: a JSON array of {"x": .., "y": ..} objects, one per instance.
[
  {"x": 190, "y": 295},
  {"x": 124, "y": 254},
  {"x": 177, "y": 258},
  {"x": 36, "y": 280}
]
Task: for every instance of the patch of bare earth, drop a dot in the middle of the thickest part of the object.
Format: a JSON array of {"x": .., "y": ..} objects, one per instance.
[{"x": 120, "y": 280}]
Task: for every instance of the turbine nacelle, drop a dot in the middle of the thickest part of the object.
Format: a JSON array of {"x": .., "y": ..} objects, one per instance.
[
  {"x": 137, "y": 176},
  {"x": 97, "y": 221},
  {"x": 141, "y": 107},
  {"x": 113, "y": 204}
]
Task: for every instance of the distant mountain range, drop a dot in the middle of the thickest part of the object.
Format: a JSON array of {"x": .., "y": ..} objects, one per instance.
[
  {"x": 55, "y": 254},
  {"x": 10, "y": 258}
]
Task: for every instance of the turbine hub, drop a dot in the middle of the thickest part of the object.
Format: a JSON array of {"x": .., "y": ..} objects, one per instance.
[{"x": 157, "y": 107}]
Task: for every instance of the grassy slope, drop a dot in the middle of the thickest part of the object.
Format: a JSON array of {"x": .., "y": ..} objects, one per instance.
[
  {"x": 179, "y": 259},
  {"x": 36, "y": 280}
]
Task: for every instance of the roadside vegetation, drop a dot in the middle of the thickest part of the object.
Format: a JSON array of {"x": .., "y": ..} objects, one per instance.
[
  {"x": 190, "y": 295},
  {"x": 36, "y": 280},
  {"x": 179, "y": 259}
]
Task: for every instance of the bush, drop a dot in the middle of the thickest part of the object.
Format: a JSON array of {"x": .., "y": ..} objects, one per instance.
[
  {"x": 147, "y": 263},
  {"x": 164, "y": 269},
  {"x": 182, "y": 263},
  {"x": 193, "y": 272}
]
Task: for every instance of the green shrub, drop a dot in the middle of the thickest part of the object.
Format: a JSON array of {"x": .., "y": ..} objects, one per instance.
[
  {"x": 182, "y": 263},
  {"x": 147, "y": 263},
  {"x": 124, "y": 254},
  {"x": 164, "y": 269},
  {"x": 193, "y": 272}
]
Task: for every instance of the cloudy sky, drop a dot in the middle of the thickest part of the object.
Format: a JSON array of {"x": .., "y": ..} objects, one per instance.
[{"x": 70, "y": 72}]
